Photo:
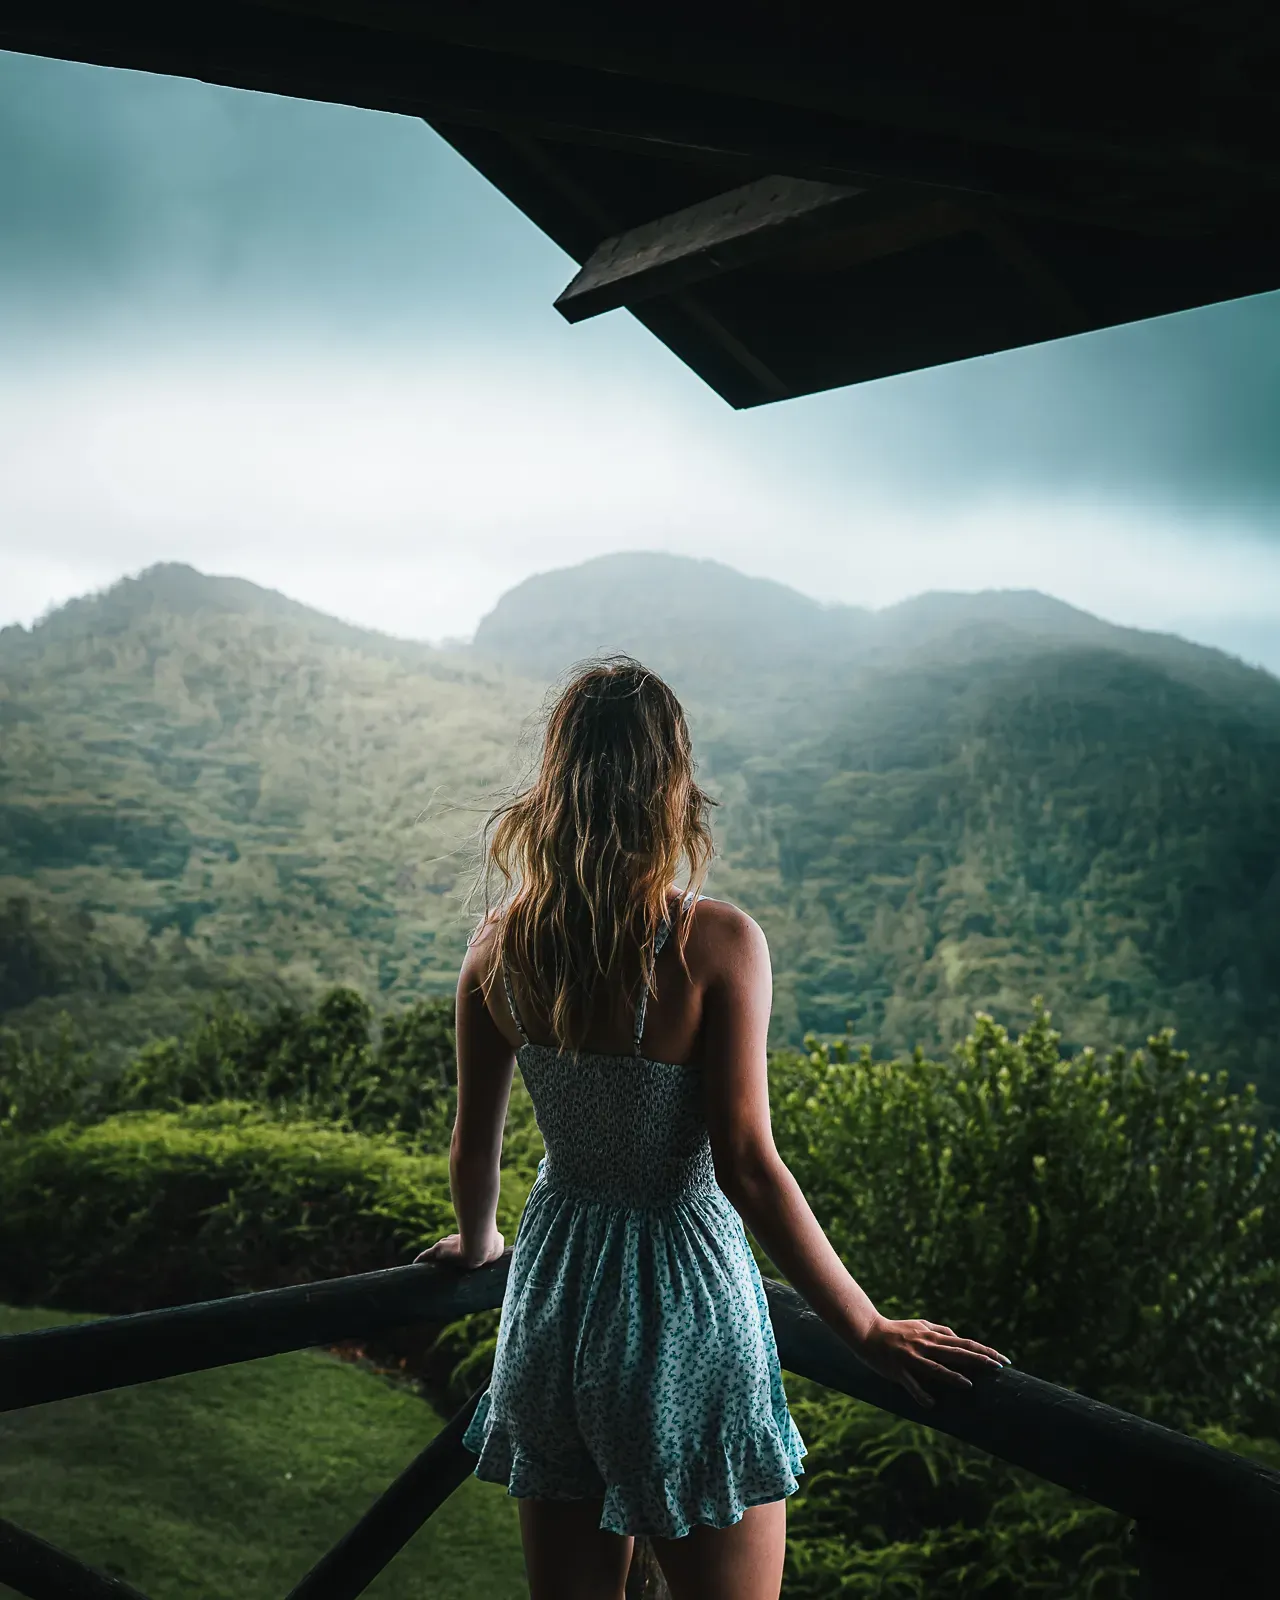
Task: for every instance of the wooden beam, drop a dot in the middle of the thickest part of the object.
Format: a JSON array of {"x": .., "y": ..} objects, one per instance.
[
  {"x": 1056, "y": 298},
  {"x": 256, "y": 46},
  {"x": 535, "y": 177},
  {"x": 391, "y": 1521},
  {"x": 702, "y": 241},
  {"x": 1197, "y": 1499},
  {"x": 35, "y": 1568},
  {"x": 1182, "y": 1492},
  {"x": 911, "y": 225},
  {"x": 114, "y": 1352}
]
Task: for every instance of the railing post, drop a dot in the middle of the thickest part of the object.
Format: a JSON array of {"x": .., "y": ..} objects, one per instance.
[
  {"x": 392, "y": 1520},
  {"x": 33, "y": 1568}
]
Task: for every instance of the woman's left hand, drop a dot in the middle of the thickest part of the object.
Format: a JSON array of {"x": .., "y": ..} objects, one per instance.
[{"x": 448, "y": 1252}]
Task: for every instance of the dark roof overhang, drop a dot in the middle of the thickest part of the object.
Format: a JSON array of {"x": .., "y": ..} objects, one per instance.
[{"x": 797, "y": 198}]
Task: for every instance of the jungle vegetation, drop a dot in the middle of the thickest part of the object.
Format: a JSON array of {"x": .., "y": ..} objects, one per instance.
[{"x": 1111, "y": 1221}]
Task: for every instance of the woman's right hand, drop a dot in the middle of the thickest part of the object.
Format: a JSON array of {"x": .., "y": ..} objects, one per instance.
[{"x": 915, "y": 1351}]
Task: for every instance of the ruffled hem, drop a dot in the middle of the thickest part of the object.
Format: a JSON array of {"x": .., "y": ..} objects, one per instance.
[{"x": 714, "y": 1491}]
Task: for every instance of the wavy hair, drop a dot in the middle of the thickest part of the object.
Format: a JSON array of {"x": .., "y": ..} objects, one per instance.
[{"x": 589, "y": 851}]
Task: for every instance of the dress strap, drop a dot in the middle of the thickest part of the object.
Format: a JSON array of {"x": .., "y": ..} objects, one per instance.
[
  {"x": 511, "y": 1001},
  {"x": 664, "y": 930}
]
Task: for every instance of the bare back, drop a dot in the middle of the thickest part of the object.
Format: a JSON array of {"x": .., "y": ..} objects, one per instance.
[{"x": 679, "y": 1021}]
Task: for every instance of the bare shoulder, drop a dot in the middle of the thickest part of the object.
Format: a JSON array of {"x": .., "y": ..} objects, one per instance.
[
  {"x": 478, "y": 961},
  {"x": 724, "y": 938}
]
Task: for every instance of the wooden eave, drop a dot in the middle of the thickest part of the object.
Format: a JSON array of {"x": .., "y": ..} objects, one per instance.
[{"x": 1026, "y": 172}]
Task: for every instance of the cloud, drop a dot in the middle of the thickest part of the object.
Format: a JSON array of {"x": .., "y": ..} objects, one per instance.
[
  {"x": 1180, "y": 411},
  {"x": 308, "y": 344},
  {"x": 129, "y": 197},
  {"x": 407, "y": 493}
]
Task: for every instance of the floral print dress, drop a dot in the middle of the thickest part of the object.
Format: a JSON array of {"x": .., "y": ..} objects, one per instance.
[{"x": 636, "y": 1361}]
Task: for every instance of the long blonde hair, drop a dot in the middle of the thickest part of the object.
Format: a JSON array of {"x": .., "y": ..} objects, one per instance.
[{"x": 589, "y": 851}]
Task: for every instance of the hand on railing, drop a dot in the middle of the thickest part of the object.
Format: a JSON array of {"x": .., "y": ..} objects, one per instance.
[
  {"x": 913, "y": 1351},
  {"x": 448, "y": 1252}
]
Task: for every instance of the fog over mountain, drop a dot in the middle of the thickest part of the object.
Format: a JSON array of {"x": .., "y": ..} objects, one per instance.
[{"x": 720, "y": 629}]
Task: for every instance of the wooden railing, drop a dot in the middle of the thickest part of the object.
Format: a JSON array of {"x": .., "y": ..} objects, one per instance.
[{"x": 1207, "y": 1522}]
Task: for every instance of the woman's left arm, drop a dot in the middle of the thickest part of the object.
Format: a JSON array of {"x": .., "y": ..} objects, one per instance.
[{"x": 485, "y": 1065}]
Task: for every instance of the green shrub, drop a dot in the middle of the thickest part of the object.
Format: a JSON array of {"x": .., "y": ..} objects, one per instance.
[
  {"x": 1112, "y": 1225},
  {"x": 158, "y": 1208},
  {"x": 890, "y": 1507},
  {"x": 323, "y": 1064},
  {"x": 41, "y": 1086}
]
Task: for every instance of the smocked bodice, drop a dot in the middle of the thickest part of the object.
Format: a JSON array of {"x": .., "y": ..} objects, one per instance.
[{"x": 619, "y": 1129}]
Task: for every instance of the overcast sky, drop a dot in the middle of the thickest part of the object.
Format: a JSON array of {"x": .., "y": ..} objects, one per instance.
[{"x": 308, "y": 345}]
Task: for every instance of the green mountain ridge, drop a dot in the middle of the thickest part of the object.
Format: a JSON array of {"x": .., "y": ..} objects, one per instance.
[
  {"x": 174, "y": 589},
  {"x": 947, "y": 805},
  {"x": 652, "y": 601},
  {"x": 783, "y": 661}
]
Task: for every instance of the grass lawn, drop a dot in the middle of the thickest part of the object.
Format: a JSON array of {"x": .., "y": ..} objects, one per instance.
[{"x": 228, "y": 1485}]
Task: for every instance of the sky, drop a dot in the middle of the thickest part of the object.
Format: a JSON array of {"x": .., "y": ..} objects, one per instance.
[{"x": 310, "y": 346}]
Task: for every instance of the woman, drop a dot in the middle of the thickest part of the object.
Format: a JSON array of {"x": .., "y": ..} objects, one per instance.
[{"x": 636, "y": 1387}]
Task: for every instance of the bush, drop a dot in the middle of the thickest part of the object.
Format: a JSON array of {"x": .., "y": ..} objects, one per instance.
[
  {"x": 1112, "y": 1225},
  {"x": 249, "y": 1153},
  {"x": 891, "y": 1508},
  {"x": 40, "y": 1087},
  {"x": 321, "y": 1065},
  {"x": 158, "y": 1208}
]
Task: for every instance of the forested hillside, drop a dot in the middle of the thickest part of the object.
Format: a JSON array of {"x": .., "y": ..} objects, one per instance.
[
  {"x": 963, "y": 801},
  {"x": 1078, "y": 824},
  {"x": 949, "y": 805},
  {"x": 202, "y": 785}
]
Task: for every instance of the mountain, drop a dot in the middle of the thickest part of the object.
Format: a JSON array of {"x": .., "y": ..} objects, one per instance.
[
  {"x": 772, "y": 654},
  {"x": 754, "y": 654},
  {"x": 952, "y": 804},
  {"x": 1080, "y": 824},
  {"x": 715, "y": 628},
  {"x": 204, "y": 784},
  {"x": 172, "y": 589},
  {"x": 760, "y": 661},
  {"x": 664, "y": 606}
]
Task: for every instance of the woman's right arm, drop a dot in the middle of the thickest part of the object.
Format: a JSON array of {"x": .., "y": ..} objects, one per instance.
[{"x": 737, "y": 997}]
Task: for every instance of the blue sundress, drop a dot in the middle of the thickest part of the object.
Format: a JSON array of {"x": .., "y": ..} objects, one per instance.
[{"x": 636, "y": 1361}]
